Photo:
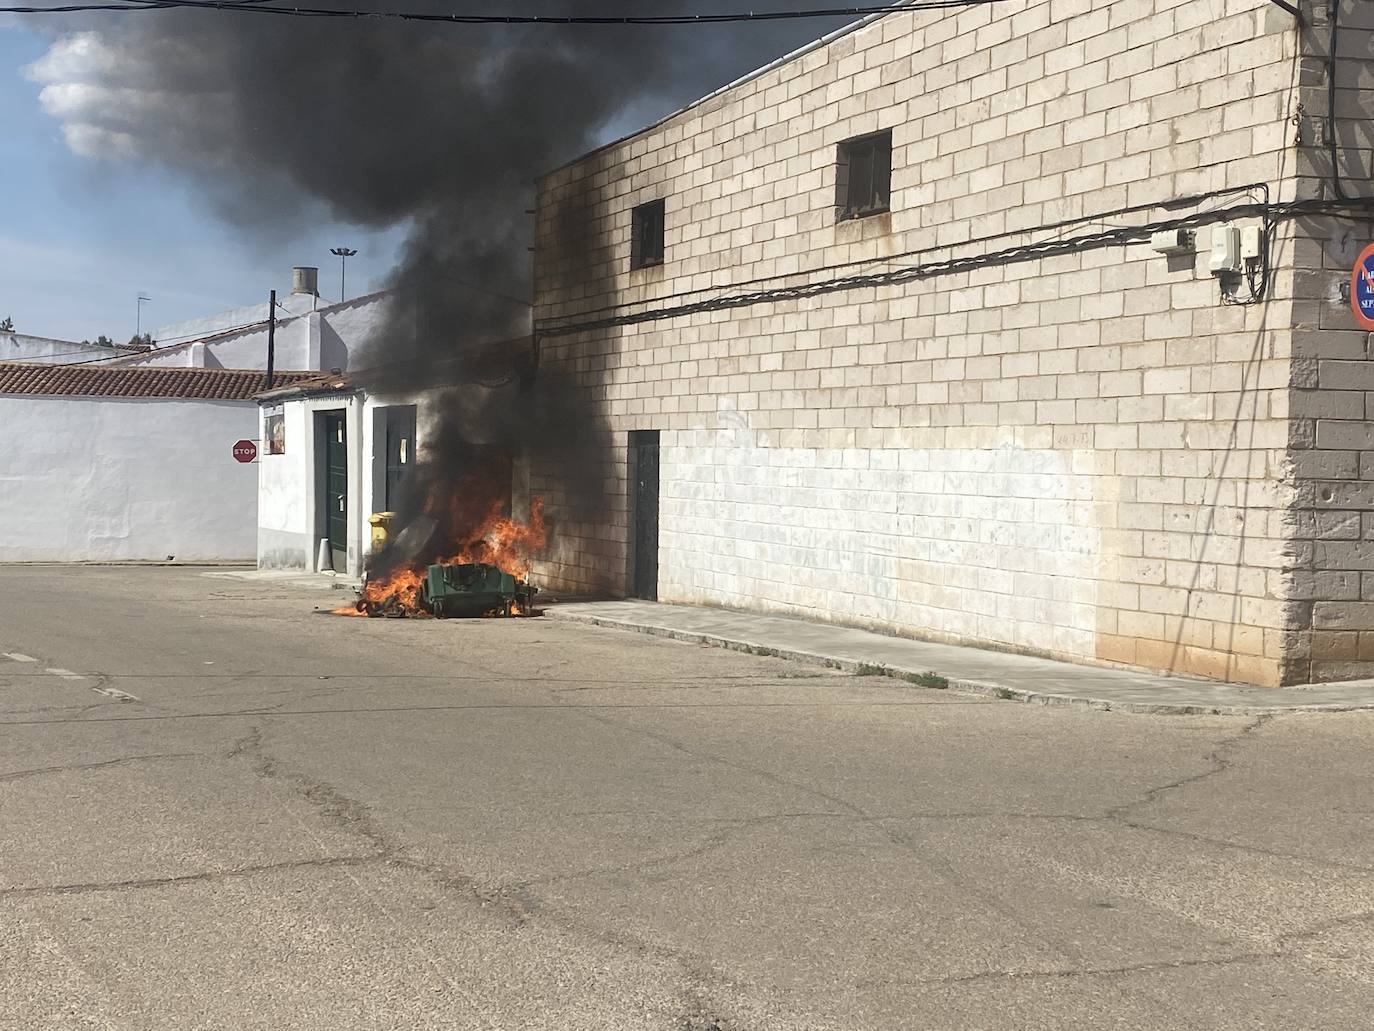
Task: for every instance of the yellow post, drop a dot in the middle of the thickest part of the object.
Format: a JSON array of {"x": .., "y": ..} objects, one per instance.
[{"x": 381, "y": 528}]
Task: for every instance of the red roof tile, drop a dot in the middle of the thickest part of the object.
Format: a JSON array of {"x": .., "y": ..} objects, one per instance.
[
  {"x": 138, "y": 381},
  {"x": 309, "y": 384}
]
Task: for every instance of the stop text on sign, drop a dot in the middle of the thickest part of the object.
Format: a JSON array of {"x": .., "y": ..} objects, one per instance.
[{"x": 245, "y": 451}]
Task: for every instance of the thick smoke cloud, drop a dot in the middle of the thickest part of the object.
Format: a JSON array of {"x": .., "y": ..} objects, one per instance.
[{"x": 439, "y": 128}]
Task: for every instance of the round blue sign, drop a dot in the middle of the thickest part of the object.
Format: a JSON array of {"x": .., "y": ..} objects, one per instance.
[{"x": 1362, "y": 288}]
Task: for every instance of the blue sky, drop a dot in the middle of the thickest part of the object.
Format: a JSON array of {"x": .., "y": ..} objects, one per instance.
[{"x": 79, "y": 239}]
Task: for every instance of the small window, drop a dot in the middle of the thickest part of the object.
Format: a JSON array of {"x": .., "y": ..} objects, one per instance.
[
  {"x": 863, "y": 176},
  {"x": 646, "y": 230}
]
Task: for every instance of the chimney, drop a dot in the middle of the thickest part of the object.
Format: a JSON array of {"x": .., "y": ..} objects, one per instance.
[{"x": 305, "y": 279}]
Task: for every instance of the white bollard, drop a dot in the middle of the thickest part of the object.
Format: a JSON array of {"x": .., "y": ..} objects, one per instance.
[{"x": 324, "y": 558}]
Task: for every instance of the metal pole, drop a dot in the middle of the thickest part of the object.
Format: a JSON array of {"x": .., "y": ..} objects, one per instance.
[
  {"x": 271, "y": 336},
  {"x": 343, "y": 254}
]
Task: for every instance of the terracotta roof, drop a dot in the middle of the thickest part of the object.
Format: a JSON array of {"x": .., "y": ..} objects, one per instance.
[
  {"x": 309, "y": 385},
  {"x": 138, "y": 381}
]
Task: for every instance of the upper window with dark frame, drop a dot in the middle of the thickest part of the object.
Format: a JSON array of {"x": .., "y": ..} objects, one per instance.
[
  {"x": 863, "y": 176},
  {"x": 646, "y": 235}
]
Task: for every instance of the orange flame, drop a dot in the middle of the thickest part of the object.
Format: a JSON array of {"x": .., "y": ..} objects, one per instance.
[
  {"x": 504, "y": 543},
  {"x": 472, "y": 514},
  {"x": 401, "y": 589}
]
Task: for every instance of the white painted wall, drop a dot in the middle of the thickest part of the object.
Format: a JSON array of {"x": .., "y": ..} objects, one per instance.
[
  {"x": 290, "y": 521},
  {"x": 346, "y": 328},
  {"x": 20, "y": 347},
  {"x": 321, "y": 340},
  {"x": 997, "y": 544},
  {"x": 296, "y": 345},
  {"x": 290, "y": 524},
  {"x": 93, "y": 479},
  {"x": 288, "y": 304}
]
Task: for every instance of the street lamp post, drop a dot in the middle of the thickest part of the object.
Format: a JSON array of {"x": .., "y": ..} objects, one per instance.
[
  {"x": 343, "y": 254},
  {"x": 138, "y": 321}
]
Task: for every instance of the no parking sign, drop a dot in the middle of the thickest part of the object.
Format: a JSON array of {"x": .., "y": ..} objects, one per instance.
[{"x": 1362, "y": 288}]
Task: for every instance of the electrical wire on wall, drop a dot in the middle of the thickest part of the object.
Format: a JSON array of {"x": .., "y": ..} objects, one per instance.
[
  {"x": 1257, "y": 279},
  {"x": 1332, "y": 58},
  {"x": 1256, "y": 275}
]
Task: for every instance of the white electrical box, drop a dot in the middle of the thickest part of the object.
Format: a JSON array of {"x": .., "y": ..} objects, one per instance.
[
  {"x": 1225, "y": 259},
  {"x": 1172, "y": 241},
  {"x": 1250, "y": 243}
]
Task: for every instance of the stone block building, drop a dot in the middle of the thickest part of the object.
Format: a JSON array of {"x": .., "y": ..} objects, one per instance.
[{"x": 1024, "y": 325}]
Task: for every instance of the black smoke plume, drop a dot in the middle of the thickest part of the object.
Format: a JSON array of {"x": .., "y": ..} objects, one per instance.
[{"x": 442, "y": 128}]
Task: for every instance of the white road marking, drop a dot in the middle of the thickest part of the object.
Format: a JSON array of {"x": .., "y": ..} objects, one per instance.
[
  {"x": 19, "y": 657},
  {"x": 114, "y": 692},
  {"x": 65, "y": 674}
]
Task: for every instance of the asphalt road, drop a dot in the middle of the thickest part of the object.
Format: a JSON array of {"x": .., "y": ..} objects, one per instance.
[{"x": 220, "y": 809}]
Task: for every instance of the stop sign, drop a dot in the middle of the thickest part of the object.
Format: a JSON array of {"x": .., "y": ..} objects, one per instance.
[{"x": 245, "y": 451}]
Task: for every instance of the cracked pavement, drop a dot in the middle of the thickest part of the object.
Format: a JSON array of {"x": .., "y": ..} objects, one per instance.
[{"x": 222, "y": 809}]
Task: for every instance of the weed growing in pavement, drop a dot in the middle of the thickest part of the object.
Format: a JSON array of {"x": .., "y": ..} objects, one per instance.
[
  {"x": 929, "y": 679},
  {"x": 1007, "y": 693},
  {"x": 754, "y": 649}
]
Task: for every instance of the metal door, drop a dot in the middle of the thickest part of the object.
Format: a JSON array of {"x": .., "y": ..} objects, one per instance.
[
  {"x": 644, "y": 512},
  {"x": 400, "y": 451},
  {"x": 336, "y": 486}
]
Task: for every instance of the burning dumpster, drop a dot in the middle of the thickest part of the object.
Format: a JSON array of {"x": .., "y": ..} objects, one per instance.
[
  {"x": 459, "y": 554},
  {"x": 448, "y": 589},
  {"x": 475, "y": 589}
]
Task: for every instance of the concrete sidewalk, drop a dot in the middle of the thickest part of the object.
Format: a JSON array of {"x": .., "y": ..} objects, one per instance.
[
  {"x": 292, "y": 577},
  {"x": 971, "y": 670}
]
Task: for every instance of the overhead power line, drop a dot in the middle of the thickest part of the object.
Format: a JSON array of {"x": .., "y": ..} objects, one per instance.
[
  {"x": 1116, "y": 237},
  {"x": 740, "y": 286},
  {"x": 719, "y": 18}
]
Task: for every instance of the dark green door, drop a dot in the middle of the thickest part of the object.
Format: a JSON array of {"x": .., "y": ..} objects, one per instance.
[
  {"x": 400, "y": 451},
  {"x": 644, "y": 516},
  {"x": 336, "y": 486}
]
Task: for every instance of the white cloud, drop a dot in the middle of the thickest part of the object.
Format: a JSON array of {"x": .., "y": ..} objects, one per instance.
[
  {"x": 79, "y": 57},
  {"x": 110, "y": 106},
  {"x": 91, "y": 141}
]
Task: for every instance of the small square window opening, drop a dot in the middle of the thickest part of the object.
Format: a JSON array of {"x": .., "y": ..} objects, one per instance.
[
  {"x": 863, "y": 176},
  {"x": 646, "y": 232}
]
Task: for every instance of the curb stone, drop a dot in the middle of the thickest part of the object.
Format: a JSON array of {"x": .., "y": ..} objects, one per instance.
[{"x": 957, "y": 684}]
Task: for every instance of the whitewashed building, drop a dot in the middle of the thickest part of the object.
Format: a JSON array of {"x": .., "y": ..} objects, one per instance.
[
  {"x": 338, "y": 448},
  {"x": 1025, "y": 324},
  {"x": 334, "y": 453},
  {"x": 310, "y": 333},
  {"x": 116, "y": 464},
  {"x": 21, "y": 347}
]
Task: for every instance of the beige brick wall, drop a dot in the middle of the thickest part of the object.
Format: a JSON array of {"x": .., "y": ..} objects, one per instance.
[{"x": 1084, "y": 455}]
